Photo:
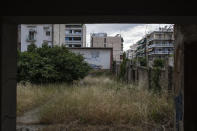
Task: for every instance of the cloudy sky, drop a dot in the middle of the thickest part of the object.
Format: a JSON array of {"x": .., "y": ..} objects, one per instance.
[{"x": 131, "y": 33}]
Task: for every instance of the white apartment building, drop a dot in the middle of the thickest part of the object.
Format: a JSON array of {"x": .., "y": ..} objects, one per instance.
[
  {"x": 160, "y": 44},
  {"x": 71, "y": 35},
  {"x": 35, "y": 33}
]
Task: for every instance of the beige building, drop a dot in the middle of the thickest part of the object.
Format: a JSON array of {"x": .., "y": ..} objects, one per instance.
[
  {"x": 115, "y": 42},
  {"x": 72, "y": 35}
]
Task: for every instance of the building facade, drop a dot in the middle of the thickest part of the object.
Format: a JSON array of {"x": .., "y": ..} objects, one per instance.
[
  {"x": 35, "y": 33},
  {"x": 115, "y": 42},
  {"x": 71, "y": 35},
  {"x": 160, "y": 44},
  {"x": 97, "y": 58},
  {"x": 141, "y": 48},
  {"x": 75, "y": 35},
  {"x": 58, "y": 34}
]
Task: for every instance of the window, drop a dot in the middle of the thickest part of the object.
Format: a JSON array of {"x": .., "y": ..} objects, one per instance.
[
  {"x": 104, "y": 40},
  {"x": 77, "y": 45},
  {"x": 48, "y": 33},
  {"x": 31, "y": 35},
  {"x": 121, "y": 57},
  {"x": 68, "y": 38},
  {"x": 105, "y": 45},
  {"x": 73, "y": 26},
  {"x": 77, "y": 38},
  {"x": 77, "y": 31},
  {"x": 70, "y": 45},
  {"x": 46, "y": 42}
]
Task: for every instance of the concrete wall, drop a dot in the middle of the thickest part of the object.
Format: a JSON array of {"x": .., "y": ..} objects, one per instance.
[
  {"x": 142, "y": 76},
  {"x": 98, "y": 57},
  {"x": 40, "y": 35}
]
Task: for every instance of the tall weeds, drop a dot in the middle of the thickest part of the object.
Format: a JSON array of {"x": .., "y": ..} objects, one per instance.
[{"x": 97, "y": 100}]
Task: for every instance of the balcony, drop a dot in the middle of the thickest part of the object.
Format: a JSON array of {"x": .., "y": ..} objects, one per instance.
[
  {"x": 73, "y": 41},
  {"x": 161, "y": 45},
  {"x": 28, "y": 39},
  {"x": 151, "y": 39},
  {"x": 73, "y": 34},
  {"x": 160, "y": 52}
]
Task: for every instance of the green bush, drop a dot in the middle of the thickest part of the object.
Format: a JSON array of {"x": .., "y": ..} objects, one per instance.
[
  {"x": 158, "y": 63},
  {"x": 50, "y": 65},
  {"x": 123, "y": 67},
  {"x": 142, "y": 61}
]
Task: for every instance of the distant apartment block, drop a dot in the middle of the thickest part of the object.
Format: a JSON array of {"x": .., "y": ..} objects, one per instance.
[
  {"x": 34, "y": 33},
  {"x": 130, "y": 53},
  {"x": 75, "y": 35},
  {"x": 141, "y": 47},
  {"x": 160, "y": 44},
  {"x": 157, "y": 44},
  {"x": 115, "y": 42}
]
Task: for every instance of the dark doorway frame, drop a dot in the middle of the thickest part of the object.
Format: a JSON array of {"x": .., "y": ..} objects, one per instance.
[{"x": 9, "y": 55}]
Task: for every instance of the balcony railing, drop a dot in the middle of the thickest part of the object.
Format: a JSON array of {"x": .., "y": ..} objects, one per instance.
[
  {"x": 73, "y": 34},
  {"x": 73, "y": 41},
  {"x": 148, "y": 40},
  {"x": 28, "y": 39},
  {"x": 160, "y": 52},
  {"x": 161, "y": 45}
]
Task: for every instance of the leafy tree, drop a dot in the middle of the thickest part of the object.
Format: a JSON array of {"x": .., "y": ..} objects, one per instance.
[{"x": 50, "y": 65}]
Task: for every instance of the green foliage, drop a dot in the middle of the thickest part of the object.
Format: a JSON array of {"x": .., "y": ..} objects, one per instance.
[
  {"x": 50, "y": 65},
  {"x": 31, "y": 48},
  {"x": 123, "y": 67},
  {"x": 142, "y": 61},
  {"x": 156, "y": 73},
  {"x": 158, "y": 63},
  {"x": 113, "y": 66}
]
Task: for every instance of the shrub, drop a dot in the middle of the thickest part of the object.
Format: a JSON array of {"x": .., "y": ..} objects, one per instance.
[
  {"x": 123, "y": 67},
  {"x": 142, "y": 61},
  {"x": 50, "y": 65},
  {"x": 158, "y": 63}
]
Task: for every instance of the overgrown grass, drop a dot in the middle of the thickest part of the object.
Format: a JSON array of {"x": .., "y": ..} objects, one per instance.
[
  {"x": 30, "y": 96},
  {"x": 98, "y": 100}
]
